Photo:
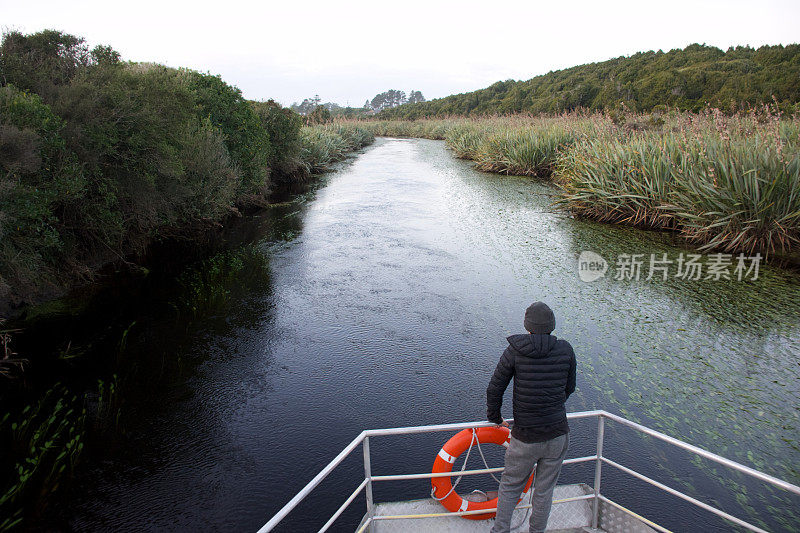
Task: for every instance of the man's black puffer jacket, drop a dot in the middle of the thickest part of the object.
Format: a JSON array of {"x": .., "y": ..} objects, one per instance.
[{"x": 543, "y": 368}]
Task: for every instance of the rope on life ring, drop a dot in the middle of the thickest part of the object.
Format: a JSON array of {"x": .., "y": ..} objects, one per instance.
[{"x": 443, "y": 490}]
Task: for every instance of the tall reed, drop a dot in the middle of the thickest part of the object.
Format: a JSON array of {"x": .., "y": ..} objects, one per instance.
[{"x": 326, "y": 144}]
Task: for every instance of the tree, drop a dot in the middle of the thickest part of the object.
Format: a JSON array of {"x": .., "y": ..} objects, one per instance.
[
  {"x": 686, "y": 79},
  {"x": 320, "y": 115},
  {"x": 42, "y": 61},
  {"x": 387, "y": 100},
  {"x": 104, "y": 55},
  {"x": 415, "y": 97},
  {"x": 307, "y": 106}
]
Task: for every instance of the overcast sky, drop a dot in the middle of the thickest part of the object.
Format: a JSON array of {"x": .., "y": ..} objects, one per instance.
[{"x": 349, "y": 51}]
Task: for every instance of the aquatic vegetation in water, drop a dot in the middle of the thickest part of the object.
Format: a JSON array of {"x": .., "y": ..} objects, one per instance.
[
  {"x": 208, "y": 285},
  {"x": 731, "y": 184},
  {"x": 45, "y": 442},
  {"x": 522, "y": 152}
]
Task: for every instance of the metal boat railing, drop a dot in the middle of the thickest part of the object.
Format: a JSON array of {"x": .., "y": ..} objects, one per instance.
[{"x": 365, "y": 485}]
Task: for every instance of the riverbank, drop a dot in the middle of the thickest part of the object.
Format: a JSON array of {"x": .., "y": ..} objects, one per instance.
[
  {"x": 116, "y": 176},
  {"x": 68, "y": 371},
  {"x": 723, "y": 183},
  {"x": 82, "y": 365}
]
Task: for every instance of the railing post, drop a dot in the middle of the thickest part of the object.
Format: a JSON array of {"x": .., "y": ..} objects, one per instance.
[
  {"x": 601, "y": 426},
  {"x": 368, "y": 475}
]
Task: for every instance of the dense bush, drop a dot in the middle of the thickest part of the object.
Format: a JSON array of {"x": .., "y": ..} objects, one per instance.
[
  {"x": 37, "y": 173},
  {"x": 247, "y": 141},
  {"x": 283, "y": 126},
  {"x": 133, "y": 130},
  {"x": 99, "y": 158},
  {"x": 688, "y": 79},
  {"x": 41, "y": 62}
]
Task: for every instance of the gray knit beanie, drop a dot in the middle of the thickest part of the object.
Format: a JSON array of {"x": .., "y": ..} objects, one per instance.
[{"x": 539, "y": 318}]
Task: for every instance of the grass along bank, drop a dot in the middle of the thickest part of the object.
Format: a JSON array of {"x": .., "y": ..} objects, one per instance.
[
  {"x": 325, "y": 144},
  {"x": 728, "y": 183}
]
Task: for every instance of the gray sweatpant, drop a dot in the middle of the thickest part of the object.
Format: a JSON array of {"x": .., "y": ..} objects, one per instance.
[{"x": 521, "y": 457}]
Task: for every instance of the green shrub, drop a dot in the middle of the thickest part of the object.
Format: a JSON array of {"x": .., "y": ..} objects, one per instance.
[
  {"x": 210, "y": 180},
  {"x": 43, "y": 61},
  {"x": 247, "y": 140},
  {"x": 36, "y": 174},
  {"x": 283, "y": 128},
  {"x": 127, "y": 125}
]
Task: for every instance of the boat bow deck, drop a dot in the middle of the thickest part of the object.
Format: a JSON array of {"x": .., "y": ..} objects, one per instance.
[
  {"x": 585, "y": 506},
  {"x": 565, "y": 517}
]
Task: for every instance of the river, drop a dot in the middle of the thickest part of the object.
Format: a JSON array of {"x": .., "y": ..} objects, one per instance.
[{"x": 383, "y": 298}]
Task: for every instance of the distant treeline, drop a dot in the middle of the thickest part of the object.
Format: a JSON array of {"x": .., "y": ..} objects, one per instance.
[
  {"x": 688, "y": 79},
  {"x": 100, "y": 157},
  {"x": 318, "y": 112}
]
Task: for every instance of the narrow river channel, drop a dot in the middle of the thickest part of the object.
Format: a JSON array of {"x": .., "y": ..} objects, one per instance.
[{"x": 383, "y": 298}]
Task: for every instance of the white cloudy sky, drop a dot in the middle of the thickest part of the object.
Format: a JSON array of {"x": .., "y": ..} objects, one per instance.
[{"x": 349, "y": 51}]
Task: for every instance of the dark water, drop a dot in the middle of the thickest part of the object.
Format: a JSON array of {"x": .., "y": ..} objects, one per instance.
[{"x": 383, "y": 299}]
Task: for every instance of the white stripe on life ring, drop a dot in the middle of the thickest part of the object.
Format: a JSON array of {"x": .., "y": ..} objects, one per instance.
[
  {"x": 464, "y": 505},
  {"x": 446, "y": 456}
]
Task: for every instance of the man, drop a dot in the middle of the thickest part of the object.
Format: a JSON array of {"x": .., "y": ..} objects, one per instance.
[{"x": 543, "y": 368}]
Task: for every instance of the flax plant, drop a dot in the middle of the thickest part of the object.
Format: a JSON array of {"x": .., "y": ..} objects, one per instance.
[
  {"x": 742, "y": 194},
  {"x": 526, "y": 151},
  {"x": 621, "y": 180}
]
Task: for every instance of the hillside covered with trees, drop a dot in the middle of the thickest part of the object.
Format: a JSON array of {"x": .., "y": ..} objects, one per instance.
[{"x": 688, "y": 79}]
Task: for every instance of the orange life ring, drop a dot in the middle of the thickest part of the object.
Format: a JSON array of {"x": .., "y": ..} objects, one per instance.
[{"x": 447, "y": 456}]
